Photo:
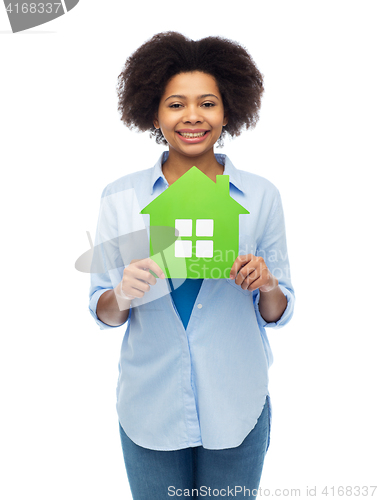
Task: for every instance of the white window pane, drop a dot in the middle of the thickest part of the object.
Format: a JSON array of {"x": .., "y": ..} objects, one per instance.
[
  {"x": 204, "y": 227},
  {"x": 204, "y": 248},
  {"x": 184, "y": 227},
  {"x": 183, "y": 248}
]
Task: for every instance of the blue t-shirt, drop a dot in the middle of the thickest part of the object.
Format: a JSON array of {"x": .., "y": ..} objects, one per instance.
[{"x": 184, "y": 297}]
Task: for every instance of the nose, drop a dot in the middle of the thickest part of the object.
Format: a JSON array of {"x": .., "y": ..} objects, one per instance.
[{"x": 193, "y": 115}]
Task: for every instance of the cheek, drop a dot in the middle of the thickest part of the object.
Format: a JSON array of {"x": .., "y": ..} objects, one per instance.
[
  {"x": 221, "y": 119},
  {"x": 166, "y": 122}
]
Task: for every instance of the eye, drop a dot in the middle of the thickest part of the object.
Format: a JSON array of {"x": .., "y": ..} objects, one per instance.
[
  {"x": 208, "y": 104},
  {"x": 175, "y": 105}
]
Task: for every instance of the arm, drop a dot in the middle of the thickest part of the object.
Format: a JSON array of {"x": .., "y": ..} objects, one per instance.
[
  {"x": 113, "y": 309},
  {"x": 113, "y": 306},
  {"x": 272, "y": 305},
  {"x": 113, "y": 286},
  {"x": 252, "y": 273},
  {"x": 271, "y": 286}
]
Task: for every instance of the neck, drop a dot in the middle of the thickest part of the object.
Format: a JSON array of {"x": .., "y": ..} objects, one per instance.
[{"x": 177, "y": 165}]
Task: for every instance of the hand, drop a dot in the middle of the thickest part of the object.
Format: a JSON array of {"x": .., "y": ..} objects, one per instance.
[
  {"x": 137, "y": 279},
  {"x": 251, "y": 273}
]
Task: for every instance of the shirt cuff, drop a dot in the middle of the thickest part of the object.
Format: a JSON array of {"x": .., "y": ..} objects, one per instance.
[
  {"x": 286, "y": 315},
  {"x": 93, "y": 308}
]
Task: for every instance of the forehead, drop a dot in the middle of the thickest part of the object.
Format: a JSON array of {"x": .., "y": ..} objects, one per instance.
[{"x": 189, "y": 84}]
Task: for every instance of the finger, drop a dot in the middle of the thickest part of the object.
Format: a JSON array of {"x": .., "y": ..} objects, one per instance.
[
  {"x": 146, "y": 276},
  {"x": 251, "y": 278},
  {"x": 135, "y": 289},
  {"x": 264, "y": 280},
  {"x": 135, "y": 271},
  {"x": 129, "y": 293},
  {"x": 260, "y": 281},
  {"x": 245, "y": 272},
  {"x": 256, "y": 264},
  {"x": 240, "y": 261},
  {"x": 150, "y": 265}
]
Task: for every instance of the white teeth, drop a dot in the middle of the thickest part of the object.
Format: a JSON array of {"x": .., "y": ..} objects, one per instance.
[{"x": 190, "y": 135}]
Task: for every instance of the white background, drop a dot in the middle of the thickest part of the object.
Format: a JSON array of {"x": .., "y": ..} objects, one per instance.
[{"x": 62, "y": 142}]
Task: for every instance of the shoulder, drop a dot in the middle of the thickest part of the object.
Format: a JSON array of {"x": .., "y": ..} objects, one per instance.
[
  {"x": 249, "y": 182},
  {"x": 259, "y": 193},
  {"x": 254, "y": 182},
  {"x": 135, "y": 180}
]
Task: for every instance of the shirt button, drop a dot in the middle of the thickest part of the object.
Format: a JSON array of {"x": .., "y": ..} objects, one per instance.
[{"x": 199, "y": 306}]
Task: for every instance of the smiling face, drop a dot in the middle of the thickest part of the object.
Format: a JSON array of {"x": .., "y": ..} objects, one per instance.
[{"x": 191, "y": 114}]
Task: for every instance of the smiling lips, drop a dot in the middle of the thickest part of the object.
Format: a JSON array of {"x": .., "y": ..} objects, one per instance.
[{"x": 192, "y": 136}]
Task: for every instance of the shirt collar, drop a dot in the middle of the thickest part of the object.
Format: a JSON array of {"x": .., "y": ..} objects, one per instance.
[{"x": 229, "y": 170}]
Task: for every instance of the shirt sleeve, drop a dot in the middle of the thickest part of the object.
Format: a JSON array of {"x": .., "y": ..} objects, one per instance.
[
  {"x": 107, "y": 264},
  {"x": 273, "y": 249}
]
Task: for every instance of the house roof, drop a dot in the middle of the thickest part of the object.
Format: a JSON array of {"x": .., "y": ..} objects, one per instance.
[
  {"x": 194, "y": 189},
  {"x": 229, "y": 170}
]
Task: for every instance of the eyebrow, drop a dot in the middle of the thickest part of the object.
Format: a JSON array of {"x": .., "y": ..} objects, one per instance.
[{"x": 199, "y": 97}]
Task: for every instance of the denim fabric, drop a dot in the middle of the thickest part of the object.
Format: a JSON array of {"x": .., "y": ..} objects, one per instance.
[{"x": 158, "y": 475}]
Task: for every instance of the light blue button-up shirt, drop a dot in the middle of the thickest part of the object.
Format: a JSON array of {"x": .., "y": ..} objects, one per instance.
[{"x": 205, "y": 385}]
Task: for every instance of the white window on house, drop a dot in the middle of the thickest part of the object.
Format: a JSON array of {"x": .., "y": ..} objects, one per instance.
[
  {"x": 183, "y": 248},
  {"x": 204, "y": 227},
  {"x": 204, "y": 248},
  {"x": 184, "y": 227}
]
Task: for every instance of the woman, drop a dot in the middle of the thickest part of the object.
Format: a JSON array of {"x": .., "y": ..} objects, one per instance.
[{"x": 192, "y": 396}]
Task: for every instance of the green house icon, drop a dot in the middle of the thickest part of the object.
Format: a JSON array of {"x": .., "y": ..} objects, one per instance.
[{"x": 206, "y": 222}]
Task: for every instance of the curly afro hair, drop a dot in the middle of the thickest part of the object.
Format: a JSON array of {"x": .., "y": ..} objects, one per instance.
[{"x": 147, "y": 71}]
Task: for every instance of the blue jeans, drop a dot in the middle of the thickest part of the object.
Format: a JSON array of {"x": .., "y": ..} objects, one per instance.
[{"x": 232, "y": 472}]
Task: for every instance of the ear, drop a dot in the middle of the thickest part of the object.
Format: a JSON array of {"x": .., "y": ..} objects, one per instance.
[
  {"x": 225, "y": 120},
  {"x": 156, "y": 122}
]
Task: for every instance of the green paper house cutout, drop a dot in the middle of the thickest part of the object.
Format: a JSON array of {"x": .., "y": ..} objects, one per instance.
[{"x": 206, "y": 220}]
